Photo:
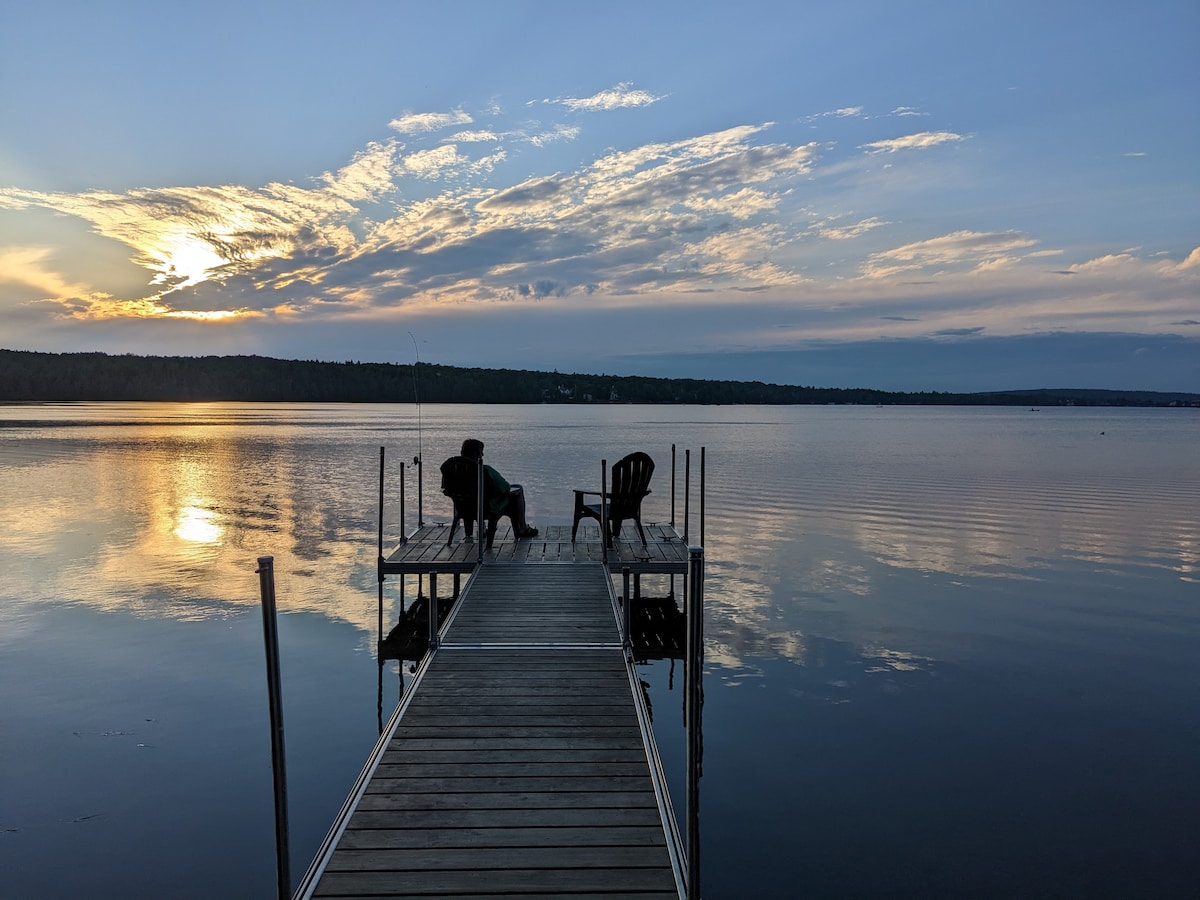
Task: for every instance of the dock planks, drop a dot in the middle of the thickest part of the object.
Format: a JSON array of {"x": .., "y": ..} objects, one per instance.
[
  {"x": 519, "y": 761},
  {"x": 664, "y": 552}
]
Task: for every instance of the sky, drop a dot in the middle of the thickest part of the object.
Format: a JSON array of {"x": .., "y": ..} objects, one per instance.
[{"x": 894, "y": 195}]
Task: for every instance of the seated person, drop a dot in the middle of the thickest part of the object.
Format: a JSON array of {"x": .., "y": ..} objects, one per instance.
[{"x": 500, "y": 497}]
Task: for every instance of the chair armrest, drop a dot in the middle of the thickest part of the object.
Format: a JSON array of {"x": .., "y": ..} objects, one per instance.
[{"x": 586, "y": 493}]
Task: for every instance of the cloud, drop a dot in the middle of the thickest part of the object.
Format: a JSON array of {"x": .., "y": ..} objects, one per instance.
[
  {"x": 28, "y": 266},
  {"x": 846, "y": 112},
  {"x": 847, "y": 232},
  {"x": 420, "y": 123},
  {"x": 921, "y": 141},
  {"x": 907, "y": 111},
  {"x": 551, "y": 135},
  {"x": 621, "y": 96},
  {"x": 969, "y": 248},
  {"x": 731, "y": 221},
  {"x": 474, "y": 137},
  {"x": 368, "y": 175},
  {"x": 432, "y": 163},
  {"x": 959, "y": 332}
]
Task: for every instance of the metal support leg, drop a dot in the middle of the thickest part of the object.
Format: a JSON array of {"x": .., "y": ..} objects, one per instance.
[
  {"x": 266, "y": 582},
  {"x": 693, "y": 708},
  {"x": 433, "y": 612}
]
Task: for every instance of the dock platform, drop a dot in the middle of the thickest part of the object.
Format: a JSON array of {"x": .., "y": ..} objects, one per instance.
[
  {"x": 426, "y": 550},
  {"x": 520, "y": 761}
]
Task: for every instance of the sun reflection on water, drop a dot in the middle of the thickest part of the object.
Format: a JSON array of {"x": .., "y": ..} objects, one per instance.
[{"x": 198, "y": 525}]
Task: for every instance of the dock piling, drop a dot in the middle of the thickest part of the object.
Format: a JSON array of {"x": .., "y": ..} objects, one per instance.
[
  {"x": 403, "y": 531},
  {"x": 694, "y": 705},
  {"x": 433, "y": 612},
  {"x": 266, "y": 582},
  {"x": 626, "y": 606}
]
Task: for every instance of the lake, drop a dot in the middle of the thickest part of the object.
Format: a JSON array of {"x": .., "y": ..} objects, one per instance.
[{"x": 950, "y": 652}]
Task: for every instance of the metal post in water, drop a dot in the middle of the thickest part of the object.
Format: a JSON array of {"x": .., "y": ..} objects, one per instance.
[
  {"x": 701, "y": 496},
  {"x": 604, "y": 511},
  {"x": 403, "y": 530},
  {"x": 379, "y": 564},
  {"x": 672, "y": 509},
  {"x": 672, "y": 485},
  {"x": 433, "y": 612},
  {"x": 687, "y": 492},
  {"x": 266, "y": 585},
  {"x": 420, "y": 463},
  {"x": 626, "y": 615},
  {"x": 694, "y": 705}
]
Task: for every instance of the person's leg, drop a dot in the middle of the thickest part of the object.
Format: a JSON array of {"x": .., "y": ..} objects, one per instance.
[{"x": 516, "y": 512}]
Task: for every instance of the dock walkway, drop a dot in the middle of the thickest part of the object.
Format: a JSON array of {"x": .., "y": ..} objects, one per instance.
[{"x": 520, "y": 761}]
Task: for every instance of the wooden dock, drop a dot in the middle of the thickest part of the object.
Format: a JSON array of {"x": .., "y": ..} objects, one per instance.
[
  {"x": 665, "y": 552},
  {"x": 520, "y": 761}
]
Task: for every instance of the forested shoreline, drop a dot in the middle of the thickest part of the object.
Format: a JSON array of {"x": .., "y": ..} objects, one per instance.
[{"x": 35, "y": 376}]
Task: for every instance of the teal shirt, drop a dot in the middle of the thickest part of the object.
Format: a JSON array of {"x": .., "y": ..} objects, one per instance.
[{"x": 495, "y": 490}]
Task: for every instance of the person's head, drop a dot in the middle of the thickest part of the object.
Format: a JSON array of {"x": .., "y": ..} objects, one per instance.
[{"x": 472, "y": 448}]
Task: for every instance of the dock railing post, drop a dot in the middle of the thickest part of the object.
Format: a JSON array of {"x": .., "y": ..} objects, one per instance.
[
  {"x": 403, "y": 530},
  {"x": 694, "y": 698},
  {"x": 379, "y": 564},
  {"x": 604, "y": 511},
  {"x": 702, "y": 496},
  {"x": 433, "y": 612},
  {"x": 420, "y": 464},
  {"x": 687, "y": 491},
  {"x": 626, "y": 606},
  {"x": 672, "y": 485},
  {"x": 266, "y": 584}
]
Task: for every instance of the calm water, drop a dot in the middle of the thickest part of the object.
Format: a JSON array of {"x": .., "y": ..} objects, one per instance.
[{"x": 951, "y": 652}]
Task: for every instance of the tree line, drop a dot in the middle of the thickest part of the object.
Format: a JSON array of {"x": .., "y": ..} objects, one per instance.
[{"x": 34, "y": 376}]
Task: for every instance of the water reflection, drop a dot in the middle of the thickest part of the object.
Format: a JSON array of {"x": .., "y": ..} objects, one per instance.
[
  {"x": 807, "y": 510},
  {"x": 871, "y": 575},
  {"x": 197, "y": 524}
]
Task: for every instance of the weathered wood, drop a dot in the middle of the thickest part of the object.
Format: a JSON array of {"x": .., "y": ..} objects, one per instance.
[
  {"x": 492, "y": 882},
  {"x": 568, "y": 817},
  {"x": 519, "y": 766},
  {"x": 425, "y": 550},
  {"x": 452, "y": 858},
  {"x": 419, "y": 838}
]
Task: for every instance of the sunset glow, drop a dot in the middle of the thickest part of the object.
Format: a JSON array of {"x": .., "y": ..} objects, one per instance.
[{"x": 775, "y": 211}]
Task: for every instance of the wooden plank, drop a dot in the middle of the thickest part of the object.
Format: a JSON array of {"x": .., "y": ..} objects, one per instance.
[
  {"x": 541, "y": 817},
  {"x": 399, "y": 838},
  {"x": 505, "y": 801},
  {"x": 477, "y": 783},
  {"x": 401, "y": 750},
  {"x": 411, "y": 768},
  {"x": 490, "y": 882},
  {"x": 450, "y": 859},
  {"x": 524, "y": 743}
]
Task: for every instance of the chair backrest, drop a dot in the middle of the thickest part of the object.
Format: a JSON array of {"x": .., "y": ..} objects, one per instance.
[
  {"x": 630, "y": 483},
  {"x": 459, "y": 483}
]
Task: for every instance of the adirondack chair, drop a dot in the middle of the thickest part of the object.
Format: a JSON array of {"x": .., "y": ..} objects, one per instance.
[
  {"x": 630, "y": 484},
  {"x": 460, "y": 483}
]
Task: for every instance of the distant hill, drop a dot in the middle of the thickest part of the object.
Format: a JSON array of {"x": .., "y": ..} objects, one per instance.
[{"x": 30, "y": 376}]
